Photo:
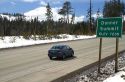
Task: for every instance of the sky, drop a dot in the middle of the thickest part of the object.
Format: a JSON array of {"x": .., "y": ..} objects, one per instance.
[
  {"x": 22, "y": 6},
  {"x": 30, "y": 7}
]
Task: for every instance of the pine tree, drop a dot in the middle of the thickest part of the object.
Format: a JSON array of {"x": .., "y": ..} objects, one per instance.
[
  {"x": 113, "y": 8},
  {"x": 73, "y": 18},
  {"x": 66, "y": 11},
  {"x": 63, "y": 13},
  {"x": 49, "y": 16},
  {"x": 89, "y": 16}
]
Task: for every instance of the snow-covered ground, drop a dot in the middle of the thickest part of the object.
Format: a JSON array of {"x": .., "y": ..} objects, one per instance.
[
  {"x": 16, "y": 41},
  {"x": 119, "y": 77},
  {"x": 107, "y": 72}
]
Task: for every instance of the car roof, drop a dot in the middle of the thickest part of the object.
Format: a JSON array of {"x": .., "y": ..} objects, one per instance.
[{"x": 61, "y": 45}]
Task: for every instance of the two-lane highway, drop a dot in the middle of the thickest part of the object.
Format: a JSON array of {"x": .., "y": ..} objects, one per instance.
[{"x": 31, "y": 64}]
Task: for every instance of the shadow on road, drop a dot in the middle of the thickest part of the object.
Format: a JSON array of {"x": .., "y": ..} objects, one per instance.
[{"x": 66, "y": 59}]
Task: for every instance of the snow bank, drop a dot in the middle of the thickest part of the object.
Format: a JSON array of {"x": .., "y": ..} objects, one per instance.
[{"x": 16, "y": 41}]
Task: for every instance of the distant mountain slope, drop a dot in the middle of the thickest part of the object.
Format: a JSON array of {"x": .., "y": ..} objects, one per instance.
[
  {"x": 40, "y": 13},
  {"x": 8, "y": 17}
]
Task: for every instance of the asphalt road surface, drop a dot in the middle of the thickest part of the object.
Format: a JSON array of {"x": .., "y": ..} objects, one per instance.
[{"x": 31, "y": 64}]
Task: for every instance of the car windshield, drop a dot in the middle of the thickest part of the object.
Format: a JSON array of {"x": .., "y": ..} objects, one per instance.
[{"x": 57, "y": 47}]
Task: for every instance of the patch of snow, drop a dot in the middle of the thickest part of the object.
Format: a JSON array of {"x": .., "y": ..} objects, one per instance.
[
  {"x": 15, "y": 41},
  {"x": 8, "y": 17},
  {"x": 118, "y": 77}
]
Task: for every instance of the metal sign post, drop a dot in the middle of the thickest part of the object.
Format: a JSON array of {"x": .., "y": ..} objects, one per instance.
[
  {"x": 111, "y": 28},
  {"x": 116, "y": 55},
  {"x": 100, "y": 53}
]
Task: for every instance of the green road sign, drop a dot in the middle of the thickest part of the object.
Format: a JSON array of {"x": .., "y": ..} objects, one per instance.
[{"x": 109, "y": 27}]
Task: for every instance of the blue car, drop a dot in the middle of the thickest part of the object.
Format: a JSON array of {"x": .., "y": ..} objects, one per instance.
[{"x": 60, "y": 51}]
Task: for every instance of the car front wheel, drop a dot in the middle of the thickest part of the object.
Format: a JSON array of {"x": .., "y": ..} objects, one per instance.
[
  {"x": 72, "y": 53},
  {"x": 50, "y": 58}
]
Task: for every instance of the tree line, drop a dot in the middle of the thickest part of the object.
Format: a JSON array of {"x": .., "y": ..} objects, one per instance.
[{"x": 65, "y": 25}]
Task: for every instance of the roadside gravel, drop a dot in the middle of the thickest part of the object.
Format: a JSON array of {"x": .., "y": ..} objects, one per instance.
[{"x": 107, "y": 69}]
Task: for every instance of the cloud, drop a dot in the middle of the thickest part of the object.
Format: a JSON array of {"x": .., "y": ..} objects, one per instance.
[
  {"x": 30, "y": 1},
  {"x": 79, "y": 19},
  {"x": 13, "y": 3},
  {"x": 86, "y": 0},
  {"x": 43, "y": 3},
  {"x": 95, "y": 15},
  {"x": 56, "y": 2}
]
